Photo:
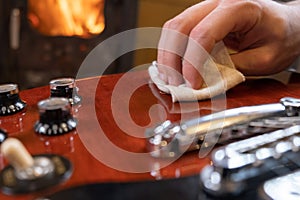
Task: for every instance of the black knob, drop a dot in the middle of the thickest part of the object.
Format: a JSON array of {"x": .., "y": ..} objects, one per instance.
[
  {"x": 10, "y": 102},
  {"x": 55, "y": 117},
  {"x": 65, "y": 87},
  {"x": 3, "y": 136}
]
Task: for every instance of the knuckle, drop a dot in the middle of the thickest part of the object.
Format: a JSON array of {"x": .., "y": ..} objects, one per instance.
[
  {"x": 247, "y": 6},
  {"x": 198, "y": 33},
  {"x": 267, "y": 59},
  {"x": 176, "y": 23}
]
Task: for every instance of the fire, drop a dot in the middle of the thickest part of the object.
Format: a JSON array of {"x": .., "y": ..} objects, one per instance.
[{"x": 82, "y": 18}]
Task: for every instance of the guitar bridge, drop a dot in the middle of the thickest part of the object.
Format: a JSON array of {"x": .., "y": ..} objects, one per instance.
[
  {"x": 241, "y": 166},
  {"x": 169, "y": 139}
]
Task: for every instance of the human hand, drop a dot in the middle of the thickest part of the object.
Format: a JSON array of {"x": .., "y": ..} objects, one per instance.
[{"x": 263, "y": 33}]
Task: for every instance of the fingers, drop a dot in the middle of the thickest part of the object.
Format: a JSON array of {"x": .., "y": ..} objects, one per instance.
[
  {"x": 193, "y": 78},
  {"x": 240, "y": 18},
  {"x": 205, "y": 24},
  {"x": 173, "y": 42},
  {"x": 171, "y": 46}
]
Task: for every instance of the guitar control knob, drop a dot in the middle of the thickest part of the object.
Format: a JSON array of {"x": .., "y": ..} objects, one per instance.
[
  {"x": 65, "y": 87},
  {"x": 10, "y": 102},
  {"x": 28, "y": 173},
  {"x": 55, "y": 117}
]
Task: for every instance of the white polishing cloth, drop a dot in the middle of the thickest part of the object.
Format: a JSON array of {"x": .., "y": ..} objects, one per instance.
[{"x": 220, "y": 76}]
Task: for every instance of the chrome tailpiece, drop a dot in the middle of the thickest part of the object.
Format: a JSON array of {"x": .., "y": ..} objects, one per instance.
[{"x": 169, "y": 140}]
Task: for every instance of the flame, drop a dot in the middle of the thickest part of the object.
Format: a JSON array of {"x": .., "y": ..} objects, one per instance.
[{"x": 82, "y": 18}]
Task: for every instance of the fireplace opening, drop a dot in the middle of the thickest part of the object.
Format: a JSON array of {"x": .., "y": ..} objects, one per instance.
[
  {"x": 82, "y": 18},
  {"x": 47, "y": 39}
]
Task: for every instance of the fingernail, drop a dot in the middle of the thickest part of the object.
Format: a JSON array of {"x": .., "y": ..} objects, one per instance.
[{"x": 154, "y": 63}]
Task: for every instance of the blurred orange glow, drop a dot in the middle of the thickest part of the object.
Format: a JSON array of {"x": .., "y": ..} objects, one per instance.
[{"x": 83, "y": 18}]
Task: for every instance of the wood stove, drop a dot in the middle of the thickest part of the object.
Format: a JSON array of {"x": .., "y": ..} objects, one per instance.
[{"x": 30, "y": 56}]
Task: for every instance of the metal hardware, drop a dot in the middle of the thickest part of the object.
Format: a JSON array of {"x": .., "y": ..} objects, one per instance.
[
  {"x": 26, "y": 173},
  {"x": 65, "y": 87},
  {"x": 284, "y": 187},
  {"x": 55, "y": 117},
  {"x": 243, "y": 165},
  {"x": 172, "y": 139},
  {"x": 10, "y": 101},
  {"x": 3, "y": 136}
]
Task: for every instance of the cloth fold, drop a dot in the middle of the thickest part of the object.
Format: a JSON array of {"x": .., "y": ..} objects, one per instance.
[{"x": 220, "y": 76}]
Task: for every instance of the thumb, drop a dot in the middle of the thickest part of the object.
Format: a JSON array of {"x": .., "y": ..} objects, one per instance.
[{"x": 257, "y": 61}]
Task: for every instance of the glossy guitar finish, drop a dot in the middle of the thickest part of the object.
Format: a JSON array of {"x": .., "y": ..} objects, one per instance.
[{"x": 120, "y": 113}]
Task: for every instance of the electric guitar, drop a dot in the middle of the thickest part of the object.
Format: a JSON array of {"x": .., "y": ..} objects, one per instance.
[{"x": 106, "y": 145}]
